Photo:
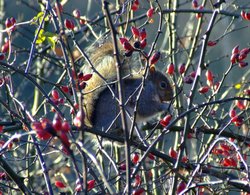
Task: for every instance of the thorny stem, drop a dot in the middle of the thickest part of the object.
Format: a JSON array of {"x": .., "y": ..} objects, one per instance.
[
  {"x": 191, "y": 97},
  {"x": 121, "y": 97},
  {"x": 32, "y": 49}
]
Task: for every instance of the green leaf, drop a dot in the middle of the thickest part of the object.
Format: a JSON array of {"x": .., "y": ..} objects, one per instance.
[
  {"x": 52, "y": 42},
  {"x": 41, "y": 38},
  {"x": 39, "y": 17}
]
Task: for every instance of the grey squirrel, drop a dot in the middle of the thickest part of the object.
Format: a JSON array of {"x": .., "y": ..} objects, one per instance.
[{"x": 101, "y": 107}]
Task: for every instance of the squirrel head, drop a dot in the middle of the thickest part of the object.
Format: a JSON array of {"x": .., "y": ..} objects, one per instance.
[{"x": 162, "y": 84}]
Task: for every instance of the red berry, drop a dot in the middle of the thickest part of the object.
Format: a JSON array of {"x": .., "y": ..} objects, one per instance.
[
  {"x": 8, "y": 23},
  {"x": 247, "y": 16},
  {"x": 10, "y": 145},
  {"x": 137, "y": 181},
  {"x": 82, "y": 21},
  {"x": 225, "y": 147},
  {"x": 181, "y": 187},
  {"x": 143, "y": 34},
  {"x": 236, "y": 50},
  {"x": 243, "y": 64},
  {"x": 240, "y": 105},
  {"x": 143, "y": 43},
  {"x": 172, "y": 153},
  {"x": 150, "y": 12},
  {"x": 43, "y": 135},
  {"x": 36, "y": 125},
  {"x": 204, "y": 89},
  {"x": 135, "y": 158},
  {"x": 211, "y": 43},
  {"x": 57, "y": 123},
  {"x": 69, "y": 24},
  {"x": 210, "y": 78},
  {"x": 5, "y": 47},
  {"x": 229, "y": 162},
  {"x": 127, "y": 46},
  {"x": 78, "y": 119},
  {"x": 55, "y": 94},
  {"x": 123, "y": 39},
  {"x": 41, "y": 132},
  {"x": 182, "y": 68},
  {"x": 225, "y": 153},
  {"x": 184, "y": 159},
  {"x": 65, "y": 89},
  {"x": 61, "y": 100},
  {"x": 77, "y": 122},
  {"x": 134, "y": 7},
  {"x": 135, "y": 31},
  {"x": 246, "y": 92},
  {"x": 76, "y": 13},
  {"x": 245, "y": 51},
  {"x": 139, "y": 191},
  {"x": 1, "y": 128},
  {"x": 91, "y": 184},
  {"x": 76, "y": 106},
  {"x": 165, "y": 121},
  {"x": 193, "y": 74},
  {"x": 65, "y": 140},
  {"x": 243, "y": 14},
  {"x": 136, "y": 2},
  {"x": 195, "y": 4},
  {"x": 154, "y": 58},
  {"x": 234, "y": 58},
  {"x": 60, "y": 184},
  {"x": 232, "y": 113},
  {"x": 122, "y": 166},
  {"x": 86, "y": 77},
  {"x": 242, "y": 56},
  {"x": 13, "y": 21},
  {"x": 217, "y": 151},
  {"x": 170, "y": 69},
  {"x": 238, "y": 121},
  {"x": 66, "y": 126}
]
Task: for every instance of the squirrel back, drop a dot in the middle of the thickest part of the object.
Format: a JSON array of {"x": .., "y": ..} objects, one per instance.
[{"x": 101, "y": 108}]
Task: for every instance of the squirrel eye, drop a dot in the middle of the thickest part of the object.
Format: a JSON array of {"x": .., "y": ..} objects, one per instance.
[{"x": 163, "y": 85}]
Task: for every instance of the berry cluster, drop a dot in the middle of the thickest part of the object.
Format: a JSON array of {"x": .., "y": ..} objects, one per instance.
[
  {"x": 238, "y": 56},
  {"x": 46, "y": 129}
]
